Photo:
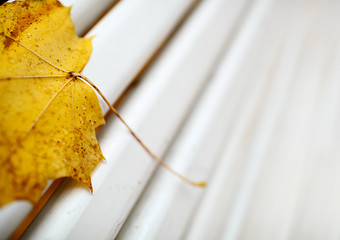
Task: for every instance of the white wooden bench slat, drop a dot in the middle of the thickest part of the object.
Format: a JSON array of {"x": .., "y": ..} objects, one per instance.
[
  {"x": 86, "y": 12},
  {"x": 168, "y": 203}
]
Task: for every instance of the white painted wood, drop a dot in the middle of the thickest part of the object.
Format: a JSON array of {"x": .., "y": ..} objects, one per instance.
[
  {"x": 166, "y": 206},
  {"x": 126, "y": 38},
  {"x": 279, "y": 180},
  {"x": 124, "y": 41},
  {"x": 209, "y": 221},
  {"x": 305, "y": 164},
  {"x": 86, "y": 12},
  {"x": 11, "y": 216}
]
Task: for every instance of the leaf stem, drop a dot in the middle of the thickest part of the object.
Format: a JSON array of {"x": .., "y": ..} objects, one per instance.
[{"x": 154, "y": 156}]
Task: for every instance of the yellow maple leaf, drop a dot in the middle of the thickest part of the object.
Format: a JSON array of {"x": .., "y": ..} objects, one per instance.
[
  {"x": 48, "y": 110},
  {"x": 48, "y": 116}
]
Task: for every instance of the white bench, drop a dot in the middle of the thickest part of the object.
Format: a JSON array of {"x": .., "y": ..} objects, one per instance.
[{"x": 243, "y": 94}]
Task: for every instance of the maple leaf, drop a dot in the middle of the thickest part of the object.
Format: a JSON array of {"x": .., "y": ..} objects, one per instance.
[
  {"x": 48, "y": 109},
  {"x": 48, "y": 115}
]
